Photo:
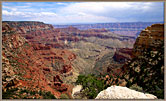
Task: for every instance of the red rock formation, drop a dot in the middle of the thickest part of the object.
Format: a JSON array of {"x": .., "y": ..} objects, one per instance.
[
  {"x": 57, "y": 79},
  {"x": 66, "y": 68},
  {"x": 60, "y": 87},
  {"x": 122, "y": 55},
  {"x": 26, "y": 60},
  {"x": 58, "y": 84},
  {"x": 68, "y": 29},
  {"x": 46, "y": 69},
  {"x": 41, "y": 47}
]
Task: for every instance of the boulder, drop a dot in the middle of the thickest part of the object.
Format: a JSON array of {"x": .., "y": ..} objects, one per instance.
[
  {"x": 76, "y": 89},
  {"x": 118, "y": 92}
]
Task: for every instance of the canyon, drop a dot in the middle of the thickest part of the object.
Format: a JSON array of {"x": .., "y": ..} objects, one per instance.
[
  {"x": 40, "y": 57},
  {"x": 121, "y": 28}
]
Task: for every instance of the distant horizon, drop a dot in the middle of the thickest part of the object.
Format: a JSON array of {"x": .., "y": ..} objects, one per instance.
[
  {"x": 60, "y": 13},
  {"x": 89, "y": 23}
]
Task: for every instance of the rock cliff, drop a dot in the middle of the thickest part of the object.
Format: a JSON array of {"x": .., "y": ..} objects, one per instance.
[
  {"x": 32, "y": 67},
  {"x": 151, "y": 37},
  {"x": 28, "y": 26},
  {"x": 122, "y": 55},
  {"x": 146, "y": 68}
]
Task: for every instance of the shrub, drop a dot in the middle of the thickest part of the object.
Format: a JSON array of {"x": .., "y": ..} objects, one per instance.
[
  {"x": 8, "y": 93},
  {"x": 48, "y": 95},
  {"x": 24, "y": 91},
  {"x": 64, "y": 96},
  {"x": 147, "y": 72},
  {"x": 91, "y": 85}
]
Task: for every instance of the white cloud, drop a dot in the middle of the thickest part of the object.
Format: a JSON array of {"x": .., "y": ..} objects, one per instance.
[
  {"x": 47, "y": 14},
  {"x": 104, "y": 7},
  {"x": 5, "y": 12},
  {"x": 9, "y": 8},
  {"x": 60, "y": 3},
  {"x": 89, "y": 12},
  {"x": 27, "y": 14}
]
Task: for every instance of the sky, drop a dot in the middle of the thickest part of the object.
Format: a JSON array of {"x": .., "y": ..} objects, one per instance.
[{"x": 83, "y": 12}]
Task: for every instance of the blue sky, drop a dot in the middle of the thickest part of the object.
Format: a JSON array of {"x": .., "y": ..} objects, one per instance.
[{"x": 83, "y": 12}]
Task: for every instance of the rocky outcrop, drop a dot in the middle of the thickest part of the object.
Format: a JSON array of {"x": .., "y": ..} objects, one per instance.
[
  {"x": 150, "y": 38},
  {"x": 66, "y": 68},
  {"x": 122, "y": 55},
  {"x": 146, "y": 68},
  {"x": 28, "y": 26},
  {"x": 118, "y": 92},
  {"x": 41, "y": 47},
  {"x": 58, "y": 84}
]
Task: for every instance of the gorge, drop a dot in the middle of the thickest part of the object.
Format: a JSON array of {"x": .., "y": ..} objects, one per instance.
[{"x": 44, "y": 61}]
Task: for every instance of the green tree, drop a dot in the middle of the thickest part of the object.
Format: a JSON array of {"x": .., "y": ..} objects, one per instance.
[
  {"x": 147, "y": 71},
  {"x": 91, "y": 85}
]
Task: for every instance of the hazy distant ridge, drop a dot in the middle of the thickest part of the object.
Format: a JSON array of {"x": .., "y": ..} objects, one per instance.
[
  {"x": 108, "y": 25},
  {"x": 123, "y": 28}
]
